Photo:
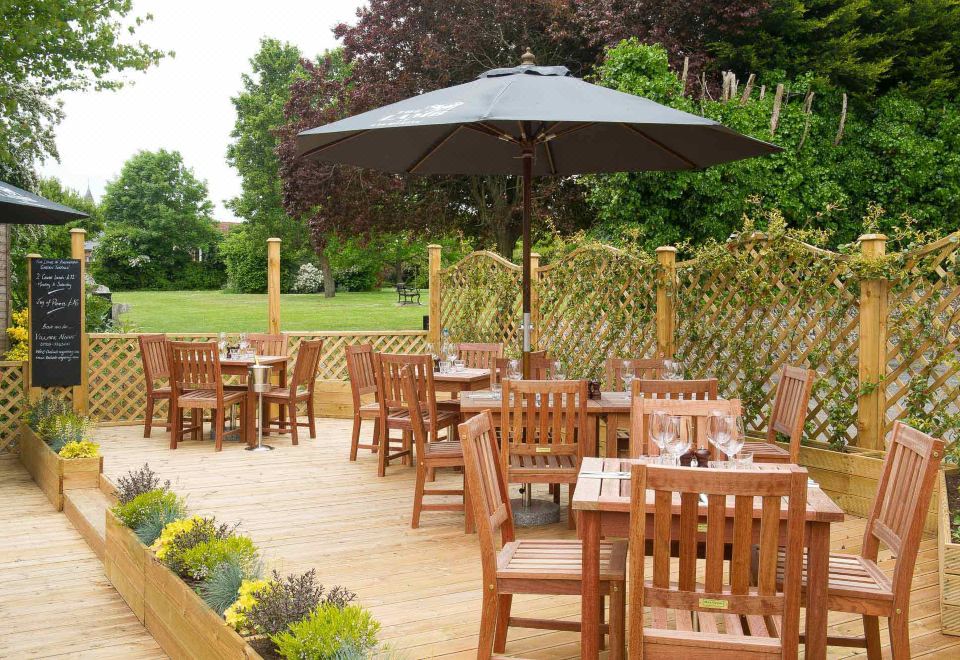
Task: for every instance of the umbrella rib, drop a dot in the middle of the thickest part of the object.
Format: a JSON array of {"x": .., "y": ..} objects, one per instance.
[
  {"x": 433, "y": 148},
  {"x": 553, "y": 166},
  {"x": 566, "y": 131},
  {"x": 329, "y": 145},
  {"x": 480, "y": 127},
  {"x": 689, "y": 163}
]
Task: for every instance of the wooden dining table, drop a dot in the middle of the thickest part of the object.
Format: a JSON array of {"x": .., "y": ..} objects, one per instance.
[
  {"x": 237, "y": 366},
  {"x": 603, "y": 507},
  {"x": 456, "y": 382}
]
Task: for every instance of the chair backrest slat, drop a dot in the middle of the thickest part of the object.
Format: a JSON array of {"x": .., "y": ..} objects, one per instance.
[
  {"x": 642, "y": 407},
  {"x": 543, "y": 417},
  {"x": 360, "y": 368},
  {"x": 714, "y": 581},
  {"x": 694, "y": 390},
  {"x": 643, "y": 369},
  {"x": 308, "y": 360},
  {"x": 789, "y": 412},
  {"x": 479, "y": 356},
  {"x": 390, "y": 391},
  {"x": 900, "y": 507},
  {"x": 155, "y": 359},
  {"x": 267, "y": 344},
  {"x": 195, "y": 366}
]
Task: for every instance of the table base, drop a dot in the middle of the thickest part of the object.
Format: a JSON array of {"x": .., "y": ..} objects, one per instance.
[{"x": 537, "y": 512}]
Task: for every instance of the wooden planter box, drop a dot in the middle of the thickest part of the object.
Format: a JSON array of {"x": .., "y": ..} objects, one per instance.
[
  {"x": 949, "y": 555},
  {"x": 53, "y": 474},
  {"x": 174, "y": 614},
  {"x": 851, "y": 478}
]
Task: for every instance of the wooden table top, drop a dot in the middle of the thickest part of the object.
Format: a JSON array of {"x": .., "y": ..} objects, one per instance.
[
  {"x": 608, "y": 403},
  {"x": 268, "y": 360},
  {"x": 613, "y": 495},
  {"x": 465, "y": 376}
]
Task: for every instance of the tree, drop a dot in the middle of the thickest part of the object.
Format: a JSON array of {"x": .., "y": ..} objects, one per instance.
[
  {"x": 158, "y": 227},
  {"x": 252, "y": 152}
]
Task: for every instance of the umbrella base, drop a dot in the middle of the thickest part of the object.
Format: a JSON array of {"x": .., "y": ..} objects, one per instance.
[{"x": 534, "y": 514}]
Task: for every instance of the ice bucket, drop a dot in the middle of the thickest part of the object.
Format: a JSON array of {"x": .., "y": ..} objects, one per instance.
[{"x": 259, "y": 377}]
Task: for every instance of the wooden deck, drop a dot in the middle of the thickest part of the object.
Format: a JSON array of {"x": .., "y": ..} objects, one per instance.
[
  {"x": 54, "y": 598},
  {"x": 309, "y": 507}
]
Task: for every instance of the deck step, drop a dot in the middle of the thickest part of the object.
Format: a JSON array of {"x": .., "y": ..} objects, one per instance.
[{"x": 86, "y": 509}]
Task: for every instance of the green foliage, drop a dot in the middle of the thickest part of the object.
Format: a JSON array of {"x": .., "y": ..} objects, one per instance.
[
  {"x": 900, "y": 154},
  {"x": 64, "y": 428},
  {"x": 290, "y": 599},
  {"x": 157, "y": 218},
  {"x": 47, "y": 406},
  {"x": 199, "y": 561},
  {"x": 156, "y": 518},
  {"x": 134, "y": 512},
  {"x": 199, "y": 531},
  {"x": 136, "y": 482},
  {"x": 222, "y": 588},
  {"x": 79, "y": 449},
  {"x": 327, "y": 632}
]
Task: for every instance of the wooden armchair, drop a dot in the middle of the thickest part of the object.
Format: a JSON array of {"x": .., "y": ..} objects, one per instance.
[
  {"x": 543, "y": 428},
  {"x": 156, "y": 367},
  {"x": 197, "y": 384},
  {"x": 430, "y": 455},
  {"x": 299, "y": 390},
  {"x": 856, "y": 584},
  {"x": 540, "y": 566},
  {"x": 643, "y": 369},
  {"x": 266, "y": 344},
  {"x": 724, "y": 614},
  {"x": 640, "y": 409},
  {"x": 479, "y": 356},
  {"x": 395, "y": 411},
  {"x": 363, "y": 382},
  {"x": 788, "y": 415}
]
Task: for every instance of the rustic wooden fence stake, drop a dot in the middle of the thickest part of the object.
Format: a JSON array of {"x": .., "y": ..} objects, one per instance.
[
  {"x": 433, "y": 334},
  {"x": 775, "y": 116},
  {"x": 78, "y": 251},
  {"x": 872, "y": 359},
  {"x": 273, "y": 286},
  {"x": 667, "y": 258}
]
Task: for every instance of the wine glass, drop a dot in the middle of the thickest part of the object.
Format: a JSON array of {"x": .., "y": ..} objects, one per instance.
[
  {"x": 672, "y": 370},
  {"x": 244, "y": 344},
  {"x": 660, "y": 430},
  {"x": 678, "y": 440},
  {"x": 495, "y": 389},
  {"x": 513, "y": 370},
  {"x": 627, "y": 375},
  {"x": 222, "y": 345},
  {"x": 559, "y": 372},
  {"x": 737, "y": 437},
  {"x": 718, "y": 431}
]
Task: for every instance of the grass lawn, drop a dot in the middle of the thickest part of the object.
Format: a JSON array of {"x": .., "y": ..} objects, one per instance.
[{"x": 215, "y": 311}]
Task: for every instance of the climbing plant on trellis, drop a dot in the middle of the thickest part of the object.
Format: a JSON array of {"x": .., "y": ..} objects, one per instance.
[
  {"x": 597, "y": 302},
  {"x": 480, "y": 300}
]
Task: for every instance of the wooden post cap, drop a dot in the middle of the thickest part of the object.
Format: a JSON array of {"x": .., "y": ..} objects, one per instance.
[
  {"x": 666, "y": 248},
  {"x": 273, "y": 240},
  {"x": 872, "y": 237},
  {"x": 78, "y": 230},
  {"x": 33, "y": 255}
]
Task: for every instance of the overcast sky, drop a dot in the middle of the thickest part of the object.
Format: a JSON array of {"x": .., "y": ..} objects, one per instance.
[{"x": 184, "y": 103}]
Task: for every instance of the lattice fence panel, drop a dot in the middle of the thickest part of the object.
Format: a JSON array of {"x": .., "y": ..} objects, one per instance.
[
  {"x": 333, "y": 362},
  {"x": 117, "y": 391},
  {"x": 595, "y": 303},
  {"x": 923, "y": 366},
  {"x": 751, "y": 308},
  {"x": 13, "y": 400},
  {"x": 480, "y": 300}
]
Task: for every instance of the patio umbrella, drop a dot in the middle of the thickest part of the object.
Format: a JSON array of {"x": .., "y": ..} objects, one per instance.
[
  {"x": 19, "y": 207},
  {"x": 527, "y": 121}
]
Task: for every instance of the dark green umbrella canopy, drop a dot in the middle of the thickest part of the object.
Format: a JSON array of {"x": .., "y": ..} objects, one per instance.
[{"x": 19, "y": 207}]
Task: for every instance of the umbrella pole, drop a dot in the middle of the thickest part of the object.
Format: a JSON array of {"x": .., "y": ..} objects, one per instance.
[{"x": 527, "y": 157}]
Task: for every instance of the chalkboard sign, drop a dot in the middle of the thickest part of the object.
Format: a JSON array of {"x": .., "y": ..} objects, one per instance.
[{"x": 55, "y": 322}]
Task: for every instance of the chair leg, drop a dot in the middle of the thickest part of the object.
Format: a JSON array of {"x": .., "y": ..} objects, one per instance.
[
  {"x": 504, "y": 603},
  {"x": 871, "y": 629},
  {"x": 571, "y": 516},
  {"x": 382, "y": 449},
  {"x": 601, "y": 617},
  {"x": 176, "y": 428},
  {"x": 148, "y": 418},
  {"x": 220, "y": 423},
  {"x": 292, "y": 412},
  {"x": 555, "y": 491},
  {"x": 618, "y": 607},
  {"x": 407, "y": 443},
  {"x": 488, "y": 623},
  {"x": 418, "y": 494},
  {"x": 311, "y": 419},
  {"x": 376, "y": 436},
  {"x": 355, "y": 437},
  {"x": 468, "y": 526},
  {"x": 196, "y": 421},
  {"x": 900, "y": 634}
]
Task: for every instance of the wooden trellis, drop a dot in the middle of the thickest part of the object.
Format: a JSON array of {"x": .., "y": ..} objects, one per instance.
[{"x": 12, "y": 400}]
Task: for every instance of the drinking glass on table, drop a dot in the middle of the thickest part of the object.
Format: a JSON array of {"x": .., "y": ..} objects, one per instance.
[
  {"x": 672, "y": 370},
  {"x": 627, "y": 375},
  {"x": 513, "y": 370},
  {"x": 244, "y": 344},
  {"x": 495, "y": 389},
  {"x": 678, "y": 440},
  {"x": 222, "y": 345},
  {"x": 718, "y": 431},
  {"x": 737, "y": 438},
  {"x": 559, "y": 371},
  {"x": 660, "y": 430}
]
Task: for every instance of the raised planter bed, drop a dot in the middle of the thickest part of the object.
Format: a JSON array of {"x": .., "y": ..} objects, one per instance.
[
  {"x": 851, "y": 478},
  {"x": 174, "y": 614},
  {"x": 53, "y": 474},
  {"x": 949, "y": 555}
]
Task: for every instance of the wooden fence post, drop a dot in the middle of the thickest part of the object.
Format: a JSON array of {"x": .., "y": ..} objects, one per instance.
[
  {"x": 273, "y": 286},
  {"x": 33, "y": 393},
  {"x": 872, "y": 358},
  {"x": 667, "y": 259},
  {"x": 535, "y": 300},
  {"x": 78, "y": 251},
  {"x": 433, "y": 334}
]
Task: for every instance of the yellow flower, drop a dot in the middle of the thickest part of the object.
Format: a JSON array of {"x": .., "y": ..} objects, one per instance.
[
  {"x": 236, "y": 614},
  {"x": 170, "y": 531},
  {"x": 80, "y": 449}
]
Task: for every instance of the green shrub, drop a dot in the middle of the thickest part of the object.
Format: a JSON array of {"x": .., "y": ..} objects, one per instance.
[
  {"x": 64, "y": 428},
  {"x": 188, "y": 535},
  {"x": 155, "y": 520},
  {"x": 46, "y": 407},
  {"x": 80, "y": 449},
  {"x": 328, "y": 632},
  {"x": 136, "y": 511},
  {"x": 138, "y": 481},
  {"x": 222, "y": 588},
  {"x": 200, "y": 560},
  {"x": 355, "y": 278},
  {"x": 290, "y": 599}
]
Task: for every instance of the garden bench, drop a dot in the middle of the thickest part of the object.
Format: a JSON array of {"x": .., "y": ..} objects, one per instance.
[{"x": 407, "y": 295}]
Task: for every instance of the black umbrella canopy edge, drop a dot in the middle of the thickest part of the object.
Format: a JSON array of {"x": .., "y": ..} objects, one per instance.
[{"x": 22, "y": 207}]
